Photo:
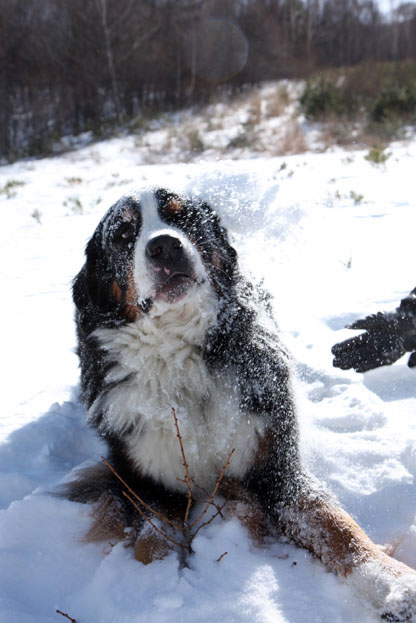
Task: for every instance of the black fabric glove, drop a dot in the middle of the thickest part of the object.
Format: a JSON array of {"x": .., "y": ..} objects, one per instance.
[{"x": 387, "y": 337}]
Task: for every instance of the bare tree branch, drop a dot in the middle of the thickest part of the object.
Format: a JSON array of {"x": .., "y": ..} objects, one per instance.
[{"x": 133, "y": 493}]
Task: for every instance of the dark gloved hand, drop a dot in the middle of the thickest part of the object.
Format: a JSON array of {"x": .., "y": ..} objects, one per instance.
[
  {"x": 412, "y": 360},
  {"x": 387, "y": 337}
]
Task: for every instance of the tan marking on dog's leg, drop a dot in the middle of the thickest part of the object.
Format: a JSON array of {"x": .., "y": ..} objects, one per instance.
[
  {"x": 252, "y": 518},
  {"x": 246, "y": 507},
  {"x": 151, "y": 546},
  {"x": 331, "y": 534},
  {"x": 108, "y": 520}
]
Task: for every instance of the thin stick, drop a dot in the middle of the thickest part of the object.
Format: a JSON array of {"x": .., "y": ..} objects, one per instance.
[
  {"x": 143, "y": 514},
  {"x": 185, "y": 464},
  {"x": 209, "y": 501},
  {"x": 213, "y": 494},
  {"x": 67, "y": 616},
  {"x": 221, "y": 557},
  {"x": 185, "y": 528},
  {"x": 211, "y": 519},
  {"x": 146, "y": 506}
]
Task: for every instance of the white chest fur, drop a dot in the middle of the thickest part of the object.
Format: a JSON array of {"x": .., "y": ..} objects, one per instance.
[{"x": 159, "y": 366}]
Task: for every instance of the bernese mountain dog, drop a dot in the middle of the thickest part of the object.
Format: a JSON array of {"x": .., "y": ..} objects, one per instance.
[{"x": 166, "y": 321}]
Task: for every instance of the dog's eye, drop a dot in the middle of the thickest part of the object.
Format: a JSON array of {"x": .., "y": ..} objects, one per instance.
[{"x": 125, "y": 234}]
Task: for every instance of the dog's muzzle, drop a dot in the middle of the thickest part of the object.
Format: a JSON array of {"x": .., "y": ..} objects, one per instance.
[{"x": 170, "y": 266}]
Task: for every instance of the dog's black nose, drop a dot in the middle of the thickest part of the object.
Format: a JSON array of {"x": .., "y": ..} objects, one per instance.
[
  {"x": 168, "y": 252},
  {"x": 164, "y": 247}
]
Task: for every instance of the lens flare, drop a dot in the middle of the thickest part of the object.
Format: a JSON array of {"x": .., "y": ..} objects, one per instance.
[{"x": 221, "y": 49}]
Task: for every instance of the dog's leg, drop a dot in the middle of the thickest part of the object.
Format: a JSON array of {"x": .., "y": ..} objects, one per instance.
[
  {"x": 151, "y": 545},
  {"x": 318, "y": 524},
  {"x": 151, "y": 523}
]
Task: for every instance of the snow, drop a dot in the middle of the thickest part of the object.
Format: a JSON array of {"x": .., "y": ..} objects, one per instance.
[{"x": 328, "y": 258}]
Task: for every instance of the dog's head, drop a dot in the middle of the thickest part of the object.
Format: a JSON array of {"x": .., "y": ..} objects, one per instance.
[{"x": 151, "y": 246}]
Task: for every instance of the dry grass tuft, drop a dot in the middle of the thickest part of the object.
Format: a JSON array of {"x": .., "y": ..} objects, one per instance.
[{"x": 292, "y": 141}]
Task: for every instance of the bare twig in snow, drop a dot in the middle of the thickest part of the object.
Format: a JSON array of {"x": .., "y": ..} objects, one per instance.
[
  {"x": 214, "y": 493},
  {"x": 143, "y": 514},
  {"x": 66, "y": 616},
  {"x": 221, "y": 557},
  {"x": 185, "y": 527},
  {"x": 185, "y": 464},
  {"x": 146, "y": 506},
  {"x": 209, "y": 501}
]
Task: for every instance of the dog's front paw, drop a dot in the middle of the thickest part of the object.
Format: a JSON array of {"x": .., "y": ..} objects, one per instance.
[
  {"x": 151, "y": 545},
  {"x": 390, "y": 586},
  {"x": 400, "y": 603}
]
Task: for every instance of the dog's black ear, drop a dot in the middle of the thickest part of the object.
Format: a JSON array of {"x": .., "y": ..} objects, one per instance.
[
  {"x": 223, "y": 258},
  {"x": 86, "y": 288},
  {"x": 79, "y": 290}
]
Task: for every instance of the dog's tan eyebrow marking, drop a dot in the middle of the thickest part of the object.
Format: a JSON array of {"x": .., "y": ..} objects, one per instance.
[{"x": 173, "y": 206}]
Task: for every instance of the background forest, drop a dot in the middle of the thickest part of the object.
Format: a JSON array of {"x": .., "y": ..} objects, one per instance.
[{"x": 70, "y": 66}]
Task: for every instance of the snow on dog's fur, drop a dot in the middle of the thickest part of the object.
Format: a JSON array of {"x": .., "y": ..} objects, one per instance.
[{"x": 165, "y": 320}]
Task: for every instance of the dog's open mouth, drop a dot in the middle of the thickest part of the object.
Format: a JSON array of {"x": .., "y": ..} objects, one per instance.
[{"x": 175, "y": 287}]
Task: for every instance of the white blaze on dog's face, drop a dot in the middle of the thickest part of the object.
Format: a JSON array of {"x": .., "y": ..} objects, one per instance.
[
  {"x": 166, "y": 263},
  {"x": 152, "y": 250}
]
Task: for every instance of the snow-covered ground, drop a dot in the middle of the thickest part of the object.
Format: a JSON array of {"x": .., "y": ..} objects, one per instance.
[{"x": 333, "y": 236}]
